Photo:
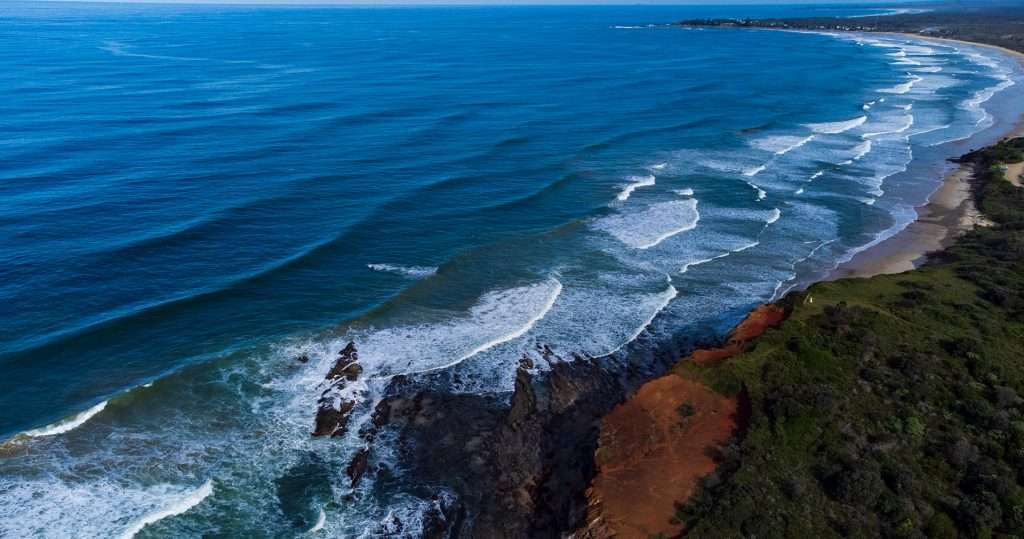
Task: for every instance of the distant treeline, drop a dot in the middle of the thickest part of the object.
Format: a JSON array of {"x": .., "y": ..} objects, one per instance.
[{"x": 994, "y": 25}]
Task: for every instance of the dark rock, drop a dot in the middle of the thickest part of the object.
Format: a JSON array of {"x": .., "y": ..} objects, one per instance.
[
  {"x": 346, "y": 366},
  {"x": 331, "y": 421},
  {"x": 443, "y": 520},
  {"x": 494, "y": 465},
  {"x": 525, "y": 362},
  {"x": 357, "y": 467},
  {"x": 333, "y": 411},
  {"x": 518, "y": 468}
]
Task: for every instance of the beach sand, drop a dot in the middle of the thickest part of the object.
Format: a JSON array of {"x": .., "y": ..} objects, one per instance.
[
  {"x": 1014, "y": 172},
  {"x": 949, "y": 212}
]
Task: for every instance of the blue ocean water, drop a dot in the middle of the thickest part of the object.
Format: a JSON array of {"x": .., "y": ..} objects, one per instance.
[{"x": 194, "y": 196}]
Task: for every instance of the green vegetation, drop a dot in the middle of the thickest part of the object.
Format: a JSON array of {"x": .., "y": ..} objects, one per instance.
[
  {"x": 890, "y": 406},
  {"x": 999, "y": 25}
]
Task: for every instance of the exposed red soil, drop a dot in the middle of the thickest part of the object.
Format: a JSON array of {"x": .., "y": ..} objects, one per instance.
[
  {"x": 656, "y": 447},
  {"x": 752, "y": 327},
  {"x": 652, "y": 455}
]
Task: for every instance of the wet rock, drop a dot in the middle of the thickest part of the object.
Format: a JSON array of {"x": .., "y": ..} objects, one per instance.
[
  {"x": 332, "y": 420},
  {"x": 347, "y": 366},
  {"x": 519, "y": 466},
  {"x": 333, "y": 408},
  {"x": 357, "y": 467},
  {"x": 443, "y": 520}
]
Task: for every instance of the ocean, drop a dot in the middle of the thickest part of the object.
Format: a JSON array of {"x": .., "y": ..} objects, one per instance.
[{"x": 194, "y": 197}]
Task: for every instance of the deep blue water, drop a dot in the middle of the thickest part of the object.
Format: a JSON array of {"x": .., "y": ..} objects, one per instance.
[{"x": 193, "y": 196}]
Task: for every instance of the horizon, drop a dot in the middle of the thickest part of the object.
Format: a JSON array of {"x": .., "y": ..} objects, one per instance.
[{"x": 494, "y": 3}]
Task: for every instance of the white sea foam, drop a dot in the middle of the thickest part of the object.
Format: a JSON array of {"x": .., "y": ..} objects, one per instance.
[
  {"x": 754, "y": 171},
  {"x": 79, "y": 508},
  {"x": 975, "y": 103},
  {"x": 686, "y": 267},
  {"x": 862, "y": 149},
  {"x": 760, "y": 192},
  {"x": 555, "y": 292},
  {"x": 833, "y": 128},
  {"x": 799, "y": 191},
  {"x": 321, "y": 521},
  {"x": 635, "y": 182},
  {"x": 773, "y": 216},
  {"x": 659, "y": 166},
  {"x": 781, "y": 144},
  {"x": 653, "y": 225},
  {"x": 178, "y": 507},
  {"x": 903, "y": 87},
  {"x": 496, "y": 318},
  {"x": 687, "y": 192},
  {"x": 417, "y": 272},
  {"x": 816, "y": 175},
  {"x": 663, "y": 300},
  {"x": 68, "y": 424},
  {"x": 629, "y": 300},
  {"x": 893, "y": 128},
  {"x": 931, "y": 130},
  {"x": 928, "y": 69}
]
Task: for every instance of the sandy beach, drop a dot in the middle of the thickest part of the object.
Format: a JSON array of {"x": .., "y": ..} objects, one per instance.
[
  {"x": 1004, "y": 50},
  {"x": 950, "y": 212}
]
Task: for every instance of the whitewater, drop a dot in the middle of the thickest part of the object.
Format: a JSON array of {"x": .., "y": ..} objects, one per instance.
[{"x": 242, "y": 211}]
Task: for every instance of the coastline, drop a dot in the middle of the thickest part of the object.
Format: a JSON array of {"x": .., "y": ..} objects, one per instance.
[
  {"x": 690, "y": 450},
  {"x": 949, "y": 212},
  {"x": 1010, "y": 52}
]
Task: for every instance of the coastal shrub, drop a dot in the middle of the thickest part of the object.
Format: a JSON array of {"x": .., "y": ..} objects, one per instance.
[
  {"x": 888, "y": 407},
  {"x": 941, "y": 526}
]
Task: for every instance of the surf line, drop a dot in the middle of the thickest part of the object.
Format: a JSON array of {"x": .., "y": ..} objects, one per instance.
[
  {"x": 548, "y": 305},
  {"x": 773, "y": 216},
  {"x": 67, "y": 425},
  {"x": 180, "y": 506}
]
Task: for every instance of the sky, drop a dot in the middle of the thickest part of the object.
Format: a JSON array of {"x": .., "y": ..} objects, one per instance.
[{"x": 507, "y": 2}]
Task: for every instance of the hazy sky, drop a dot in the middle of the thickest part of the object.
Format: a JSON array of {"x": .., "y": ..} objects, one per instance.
[{"x": 507, "y": 2}]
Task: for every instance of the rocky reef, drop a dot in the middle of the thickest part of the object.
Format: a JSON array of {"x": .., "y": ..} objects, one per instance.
[
  {"x": 495, "y": 466},
  {"x": 333, "y": 409}
]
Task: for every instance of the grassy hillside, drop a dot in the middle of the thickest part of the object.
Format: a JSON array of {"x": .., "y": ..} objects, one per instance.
[{"x": 890, "y": 406}]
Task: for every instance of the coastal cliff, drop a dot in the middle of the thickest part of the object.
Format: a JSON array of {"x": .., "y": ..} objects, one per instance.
[
  {"x": 881, "y": 407},
  {"x": 656, "y": 447},
  {"x": 495, "y": 467}
]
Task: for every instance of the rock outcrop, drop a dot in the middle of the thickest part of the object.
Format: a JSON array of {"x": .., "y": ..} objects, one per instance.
[
  {"x": 504, "y": 466},
  {"x": 518, "y": 468},
  {"x": 333, "y": 409}
]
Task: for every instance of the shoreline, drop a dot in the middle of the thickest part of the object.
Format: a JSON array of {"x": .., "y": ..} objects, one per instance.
[
  {"x": 1010, "y": 52},
  {"x": 673, "y": 450},
  {"x": 949, "y": 212}
]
